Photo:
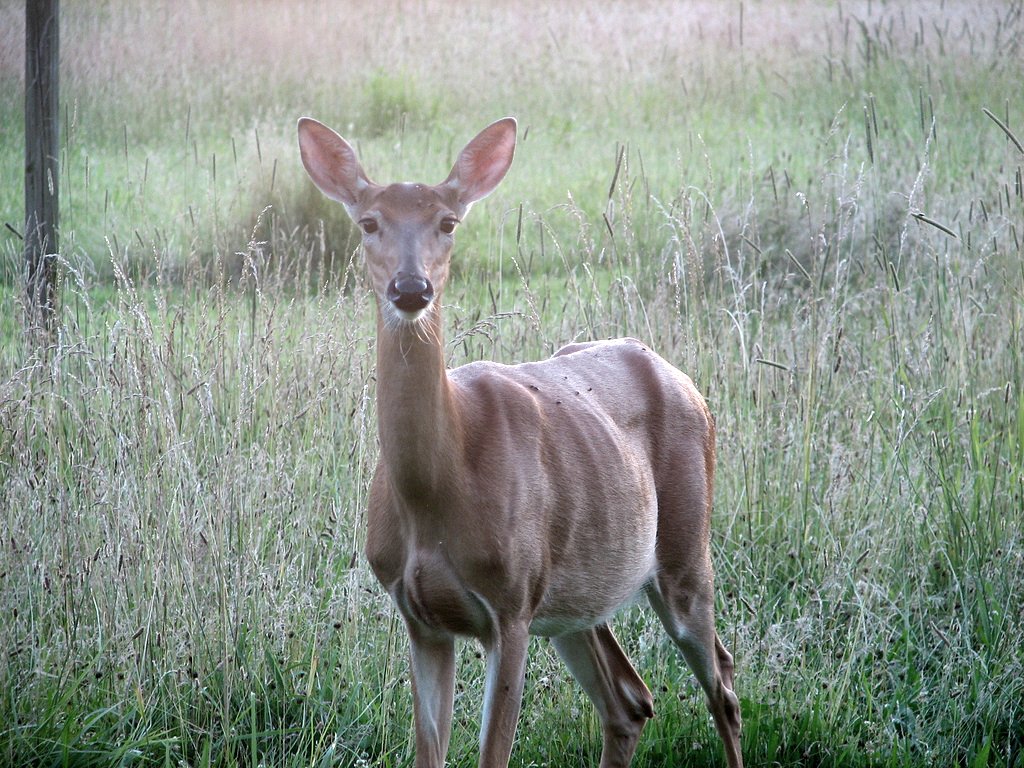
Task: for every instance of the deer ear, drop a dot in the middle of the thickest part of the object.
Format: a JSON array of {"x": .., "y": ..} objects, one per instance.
[
  {"x": 484, "y": 162},
  {"x": 331, "y": 162}
]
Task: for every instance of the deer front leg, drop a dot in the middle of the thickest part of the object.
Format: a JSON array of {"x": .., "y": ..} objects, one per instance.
[
  {"x": 432, "y": 657},
  {"x": 503, "y": 694}
]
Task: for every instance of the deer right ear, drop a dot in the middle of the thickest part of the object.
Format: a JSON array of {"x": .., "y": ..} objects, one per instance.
[
  {"x": 484, "y": 162},
  {"x": 331, "y": 162}
]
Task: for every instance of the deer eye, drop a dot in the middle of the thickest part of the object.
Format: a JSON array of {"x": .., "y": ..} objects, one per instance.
[
  {"x": 448, "y": 224},
  {"x": 369, "y": 226}
]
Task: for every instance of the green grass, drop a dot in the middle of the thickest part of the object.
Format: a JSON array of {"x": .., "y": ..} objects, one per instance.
[{"x": 804, "y": 206}]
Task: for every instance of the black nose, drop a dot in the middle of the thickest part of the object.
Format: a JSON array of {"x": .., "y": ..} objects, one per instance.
[{"x": 410, "y": 293}]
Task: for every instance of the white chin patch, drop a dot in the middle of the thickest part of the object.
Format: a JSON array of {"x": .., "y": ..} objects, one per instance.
[{"x": 405, "y": 316}]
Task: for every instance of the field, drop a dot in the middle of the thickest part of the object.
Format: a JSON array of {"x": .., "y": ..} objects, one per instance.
[{"x": 815, "y": 209}]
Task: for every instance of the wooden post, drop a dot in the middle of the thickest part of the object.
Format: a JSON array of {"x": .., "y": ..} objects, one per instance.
[{"x": 42, "y": 158}]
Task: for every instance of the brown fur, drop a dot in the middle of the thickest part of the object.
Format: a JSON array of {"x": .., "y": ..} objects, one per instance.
[{"x": 529, "y": 499}]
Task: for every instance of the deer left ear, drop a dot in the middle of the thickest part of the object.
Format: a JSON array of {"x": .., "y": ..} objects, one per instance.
[
  {"x": 483, "y": 163},
  {"x": 331, "y": 162}
]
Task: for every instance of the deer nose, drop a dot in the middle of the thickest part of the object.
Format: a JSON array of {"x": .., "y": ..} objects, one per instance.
[{"x": 410, "y": 293}]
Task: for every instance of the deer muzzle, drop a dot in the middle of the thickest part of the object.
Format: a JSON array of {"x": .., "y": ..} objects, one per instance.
[{"x": 410, "y": 293}]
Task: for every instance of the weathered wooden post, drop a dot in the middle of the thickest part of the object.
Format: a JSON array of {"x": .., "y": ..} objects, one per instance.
[{"x": 42, "y": 159}]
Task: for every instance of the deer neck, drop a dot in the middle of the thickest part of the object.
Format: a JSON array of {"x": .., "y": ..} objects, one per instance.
[{"x": 417, "y": 419}]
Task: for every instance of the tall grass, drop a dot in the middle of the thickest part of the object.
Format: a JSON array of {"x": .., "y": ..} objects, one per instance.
[{"x": 815, "y": 210}]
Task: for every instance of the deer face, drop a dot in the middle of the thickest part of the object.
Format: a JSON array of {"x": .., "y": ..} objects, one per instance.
[
  {"x": 407, "y": 228},
  {"x": 408, "y": 234}
]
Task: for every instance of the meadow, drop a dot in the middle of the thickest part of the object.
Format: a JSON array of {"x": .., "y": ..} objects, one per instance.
[{"x": 815, "y": 209}]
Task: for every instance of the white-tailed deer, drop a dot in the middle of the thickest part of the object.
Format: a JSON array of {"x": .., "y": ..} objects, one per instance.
[{"x": 526, "y": 499}]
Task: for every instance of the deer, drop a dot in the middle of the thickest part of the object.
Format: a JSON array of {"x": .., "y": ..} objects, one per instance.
[{"x": 518, "y": 500}]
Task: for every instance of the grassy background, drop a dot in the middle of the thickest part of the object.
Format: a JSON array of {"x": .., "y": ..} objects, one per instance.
[{"x": 804, "y": 205}]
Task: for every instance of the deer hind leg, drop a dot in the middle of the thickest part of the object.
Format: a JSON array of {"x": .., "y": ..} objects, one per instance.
[
  {"x": 623, "y": 702},
  {"x": 688, "y": 617}
]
